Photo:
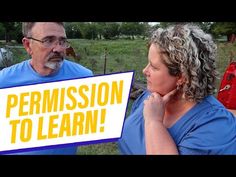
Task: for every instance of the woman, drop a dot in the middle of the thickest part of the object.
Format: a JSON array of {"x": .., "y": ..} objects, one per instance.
[{"x": 178, "y": 113}]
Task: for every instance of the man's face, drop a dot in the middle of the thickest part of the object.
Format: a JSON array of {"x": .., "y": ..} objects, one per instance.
[{"x": 46, "y": 59}]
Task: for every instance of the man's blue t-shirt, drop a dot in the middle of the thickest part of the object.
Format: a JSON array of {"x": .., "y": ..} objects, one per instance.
[
  {"x": 23, "y": 74},
  {"x": 208, "y": 128}
]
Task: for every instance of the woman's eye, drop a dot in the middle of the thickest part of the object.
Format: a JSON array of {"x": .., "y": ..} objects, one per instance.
[{"x": 153, "y": 67}]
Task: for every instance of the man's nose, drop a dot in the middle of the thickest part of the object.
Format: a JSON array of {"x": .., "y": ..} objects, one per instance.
[{"x": 58, "y": 47}]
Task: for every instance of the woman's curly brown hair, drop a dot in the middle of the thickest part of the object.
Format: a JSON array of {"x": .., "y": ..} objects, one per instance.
[{"x": 190, "y": 52}]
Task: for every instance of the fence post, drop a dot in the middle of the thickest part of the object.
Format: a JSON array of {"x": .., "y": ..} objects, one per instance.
[{"x": 105, "y": 61}]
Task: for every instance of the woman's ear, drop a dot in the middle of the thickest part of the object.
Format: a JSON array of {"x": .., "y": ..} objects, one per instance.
[
  {"x": 26, "y": 44},
  {"x": 181, "y": 80}
]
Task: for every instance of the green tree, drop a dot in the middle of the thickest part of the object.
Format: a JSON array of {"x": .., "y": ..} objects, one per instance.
[
  {"x": 18, "y": 32},
  {"x": 110, "y": 30},
  {"x": 133, "y": 29},
  {"x": 90, "y": 31},
  {"x": 2, "y": 31},
  {"x": 10, "y": 30},
  {"x": 73, "y": 30},
  {"x": 100, "y": 28},
  {"x": 223, "y": 28}
]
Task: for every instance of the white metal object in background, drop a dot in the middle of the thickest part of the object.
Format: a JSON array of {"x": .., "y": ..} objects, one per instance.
[{"x": 6, "y": 57}]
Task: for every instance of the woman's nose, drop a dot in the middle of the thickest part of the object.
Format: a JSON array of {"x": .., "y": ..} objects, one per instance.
[{"x": 145, "y": 70}]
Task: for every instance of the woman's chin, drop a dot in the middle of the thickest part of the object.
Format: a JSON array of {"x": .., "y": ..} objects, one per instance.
[{"x": 149, "y": 89}]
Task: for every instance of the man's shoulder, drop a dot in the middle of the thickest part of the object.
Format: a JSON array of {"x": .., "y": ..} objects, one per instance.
[
  {"x": 12, "y": 69},
  {"x": 76, "y": 67},
  {"x": 72, "y": 63},
  {"x": 10, "y": 74},
  {"x": 17, "y": 65}
]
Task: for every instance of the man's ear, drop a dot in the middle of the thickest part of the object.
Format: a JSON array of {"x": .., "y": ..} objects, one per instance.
[{"x": 26, "y": 44}]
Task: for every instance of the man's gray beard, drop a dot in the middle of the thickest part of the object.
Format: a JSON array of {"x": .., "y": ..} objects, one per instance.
[{"x": 53, "y": 65}]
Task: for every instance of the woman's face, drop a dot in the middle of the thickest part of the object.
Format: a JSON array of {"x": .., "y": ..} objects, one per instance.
[{"x": 158, "y": 78}]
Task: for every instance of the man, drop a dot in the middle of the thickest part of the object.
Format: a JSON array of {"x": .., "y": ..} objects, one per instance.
[{"x": 46, "y": 43}]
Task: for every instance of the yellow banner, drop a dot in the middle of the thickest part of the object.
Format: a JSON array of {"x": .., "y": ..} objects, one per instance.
[{"x": 64, "y": 112}]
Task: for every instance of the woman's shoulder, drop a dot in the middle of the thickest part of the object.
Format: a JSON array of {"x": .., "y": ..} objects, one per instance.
[
  {"x": 143, "y": 96},
  {"x": 138, "y": 102},
  {"x": 214, "y": 111},
  {"x": 233, "y": 111},
  {"x": 208, "y": 112}
]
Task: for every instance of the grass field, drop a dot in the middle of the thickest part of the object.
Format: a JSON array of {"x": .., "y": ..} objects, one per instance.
[{"x": 121, "y": 55}]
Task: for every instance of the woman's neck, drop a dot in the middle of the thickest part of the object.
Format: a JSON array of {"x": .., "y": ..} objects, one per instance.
[{"x": 175, "y": 110}]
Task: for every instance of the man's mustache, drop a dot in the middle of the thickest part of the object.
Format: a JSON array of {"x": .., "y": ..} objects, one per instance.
[{"x": 56, "y": 55}]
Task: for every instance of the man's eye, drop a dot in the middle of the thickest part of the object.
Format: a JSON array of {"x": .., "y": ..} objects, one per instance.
[
  {"x": 49, "y": 40},
  {"x": 62, "y": 41}
]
